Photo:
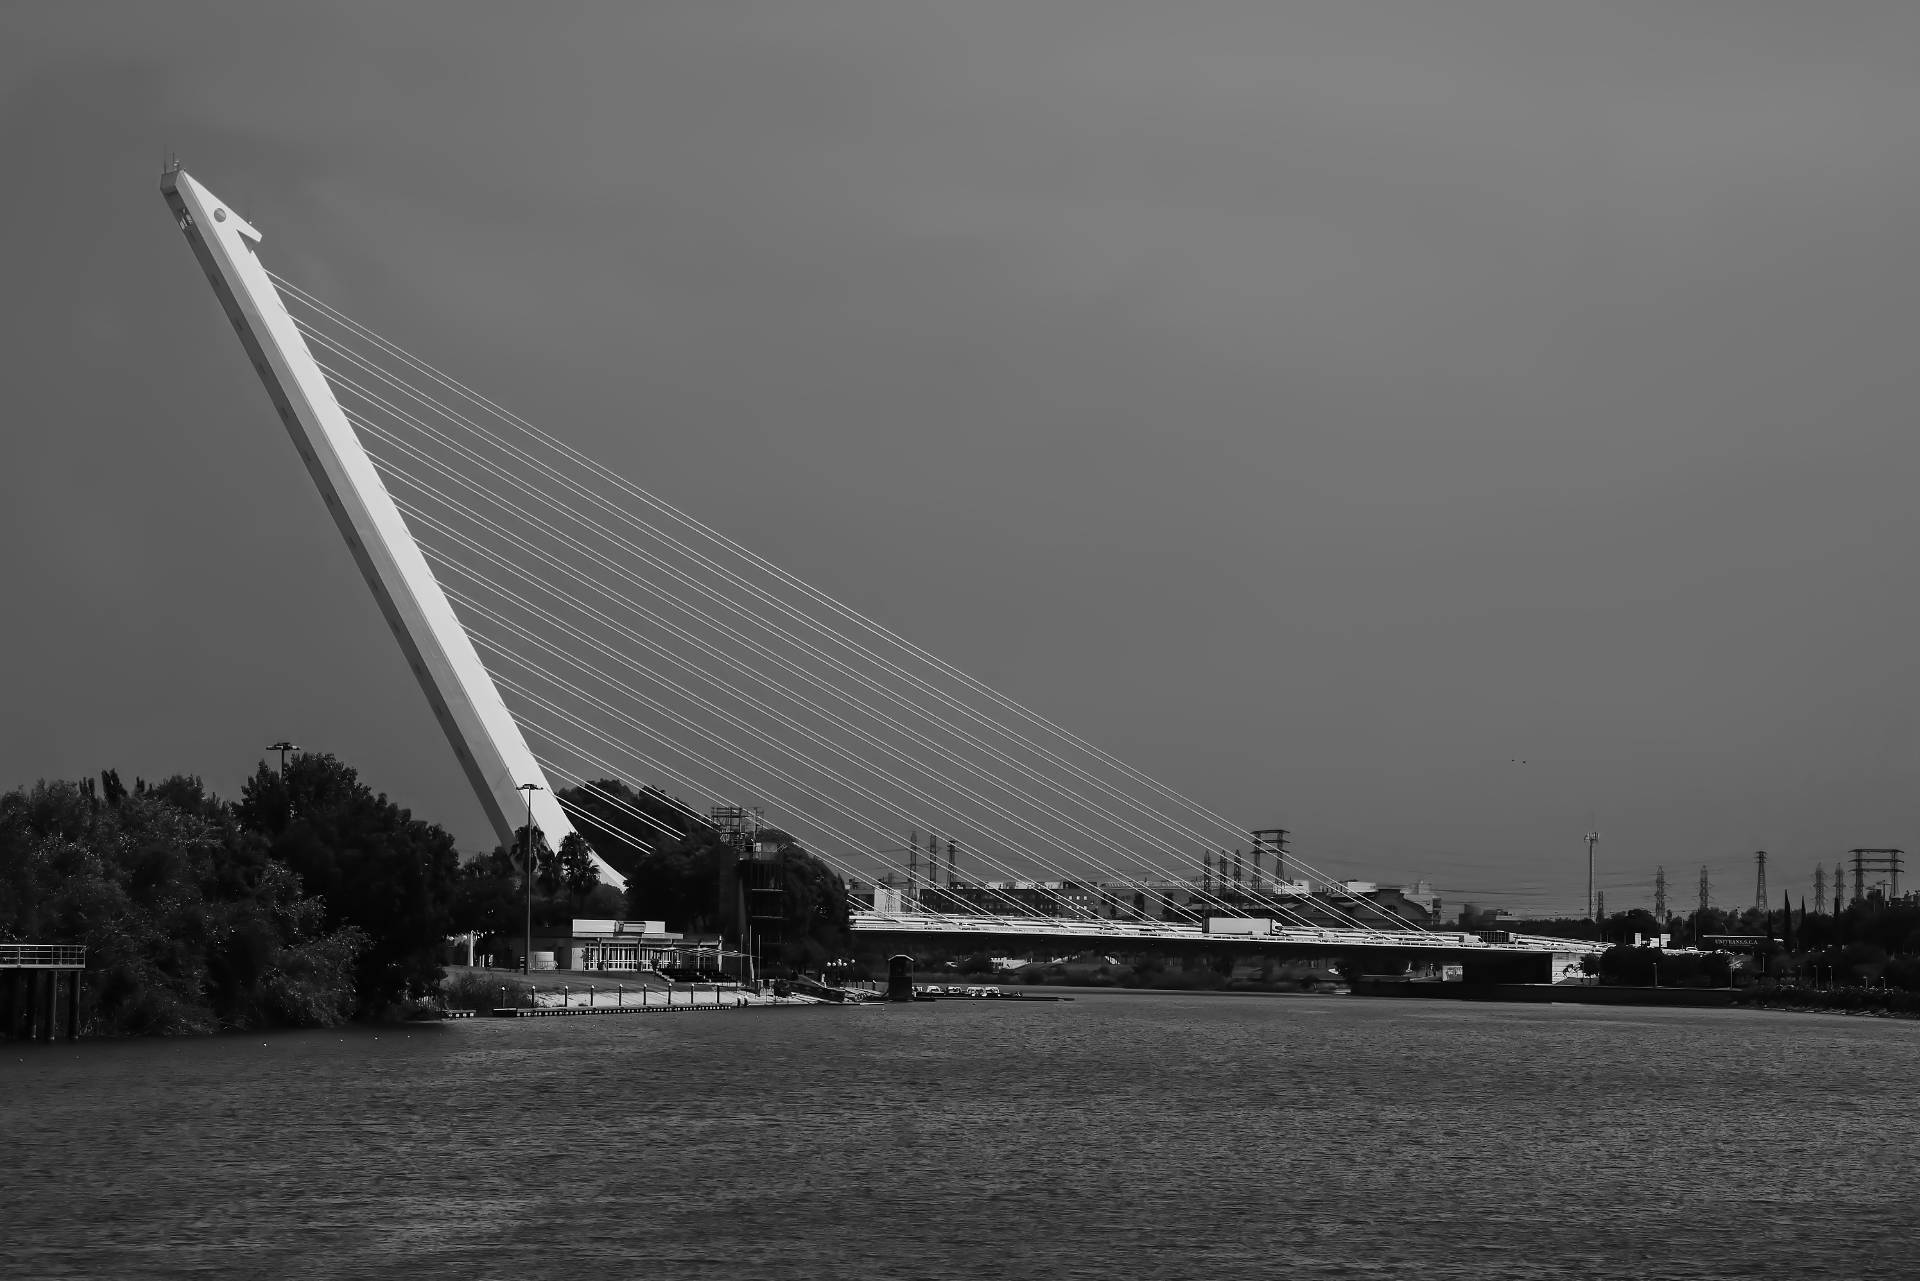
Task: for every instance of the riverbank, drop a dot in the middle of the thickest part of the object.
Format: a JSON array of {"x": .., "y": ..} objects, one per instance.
[
  {"x": 483, "y": 991},
  {"x": 1548, "y": 993},
  {"x": 1865, "y": 1002}
]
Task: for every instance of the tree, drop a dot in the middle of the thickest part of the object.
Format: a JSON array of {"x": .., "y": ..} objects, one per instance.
[
  {"x": 576, "y": 867},
  {"x": 487, "y": 898},
  {"x": 189, "y": 925},
  {"x": 692, "y": 884},
  {"x": 548, "y": 874},
  {"x": 376, "y": 867},
  {"x": 626, "y": 825}
]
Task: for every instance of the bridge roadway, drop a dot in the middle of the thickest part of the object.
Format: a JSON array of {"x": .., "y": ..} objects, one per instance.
[{"x": 1305, "y": 939}]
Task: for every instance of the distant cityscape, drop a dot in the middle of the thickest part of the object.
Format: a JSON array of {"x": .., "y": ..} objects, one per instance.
[
  {"x": 1255, "y": 884},
  {"x": 1229, "y": 881}
]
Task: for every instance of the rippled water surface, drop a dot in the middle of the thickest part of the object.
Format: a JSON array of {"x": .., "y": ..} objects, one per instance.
[{"x": 1119, "y": 1136}]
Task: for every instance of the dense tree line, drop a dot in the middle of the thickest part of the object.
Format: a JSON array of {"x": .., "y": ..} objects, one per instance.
[
  {"x": 680, "y": 869},
  {"x": 491, "y": 897},
  {"x": 1870, "y": 942},
  {"x": 309, "y": 901},
  {"x": 312, "y": 899}
]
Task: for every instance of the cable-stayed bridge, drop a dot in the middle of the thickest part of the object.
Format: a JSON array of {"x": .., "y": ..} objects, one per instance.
[{"x": 570, "y": 628}]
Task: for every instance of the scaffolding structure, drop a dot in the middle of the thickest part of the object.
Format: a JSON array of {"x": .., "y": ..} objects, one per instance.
[{"x": 760, "y": 875}]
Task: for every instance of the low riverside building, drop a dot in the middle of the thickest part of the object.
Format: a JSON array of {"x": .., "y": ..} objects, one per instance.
[
  {"x": 629, "y": 947},
  {"x": 619, "y": 946}
]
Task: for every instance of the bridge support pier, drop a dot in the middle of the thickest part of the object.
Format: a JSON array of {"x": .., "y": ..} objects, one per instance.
[
  {"x": 73, "y": 1006},
  {"x": 34, "y": 984},
  {"x": 900, "y": 977}
]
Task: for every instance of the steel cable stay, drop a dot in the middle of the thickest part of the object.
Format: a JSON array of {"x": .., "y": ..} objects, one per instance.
[
  {"x": 747, "y": 758},
  {"x": 722, "y": 541},
  {"x": 1022, "y": 912},
  {"x": 662, "y": 770},
  {"x": 1079, "y": 800},
  {"x": 736, "y": 549},
  {"x": 483, "y": 581},
  {"x": 488, "y": 584},
  {"x": 1310, "y": 872},
  {"x": 493, "y": 498},
  {"x": 599, "y": 820},
  {"x": 732, "y": 746},
  {"x": 518, "y": 514}
]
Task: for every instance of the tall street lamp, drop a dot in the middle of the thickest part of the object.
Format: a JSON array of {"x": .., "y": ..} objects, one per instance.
[
  {"x": 283, "y": 747},
  {"x": 526, "y": 960}
]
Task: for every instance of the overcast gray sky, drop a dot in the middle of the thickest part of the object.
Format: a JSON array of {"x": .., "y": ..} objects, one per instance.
[{"x": 1318, "y": 405}]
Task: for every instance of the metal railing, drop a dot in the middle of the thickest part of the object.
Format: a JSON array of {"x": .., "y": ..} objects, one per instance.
[{"x": 42, "y": 956}]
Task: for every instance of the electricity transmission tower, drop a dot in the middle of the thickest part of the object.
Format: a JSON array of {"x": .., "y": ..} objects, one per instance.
[
  {"x": 1819, "y": 888},
  {"x": 1865, "y": 861},
  {"x": 1660, "y": 897},
  {"x": 1706, "y": 892},
  {"x": 1760, "y": 884}
]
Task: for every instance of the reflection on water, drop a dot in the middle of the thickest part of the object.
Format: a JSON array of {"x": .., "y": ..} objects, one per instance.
[{"x": 1118, "y": 1137}]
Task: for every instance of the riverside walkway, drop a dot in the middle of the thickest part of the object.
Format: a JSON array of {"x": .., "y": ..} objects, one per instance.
[{"x": 563, "y": 994}]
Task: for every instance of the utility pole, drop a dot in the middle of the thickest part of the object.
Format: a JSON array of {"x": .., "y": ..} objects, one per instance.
[
  {"x": 1593, "y": 839},
  {"x": 1660, "y": 897},
  {"x": 1760, "y": 882},
  {"x": 283, "y": 747},
  {"x": 526, "y": 962}
]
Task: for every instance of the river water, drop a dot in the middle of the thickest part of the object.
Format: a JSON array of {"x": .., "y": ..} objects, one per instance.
[{"x": 1120, "y": 1136}]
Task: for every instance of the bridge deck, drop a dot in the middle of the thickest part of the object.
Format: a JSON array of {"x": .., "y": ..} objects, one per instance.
[{"x": 1090, "y": 929}]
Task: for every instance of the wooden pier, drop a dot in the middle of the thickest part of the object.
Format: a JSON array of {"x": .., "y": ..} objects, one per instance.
[{"x": 31, "y": 982}]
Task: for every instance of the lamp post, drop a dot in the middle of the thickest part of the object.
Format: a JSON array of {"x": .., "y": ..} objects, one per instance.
[
  {"x": 283, "y": 747},
  {"x": 526, "y": 959}
]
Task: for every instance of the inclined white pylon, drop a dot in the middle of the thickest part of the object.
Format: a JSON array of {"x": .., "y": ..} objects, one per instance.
[{"x": 484, "y": 735}]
